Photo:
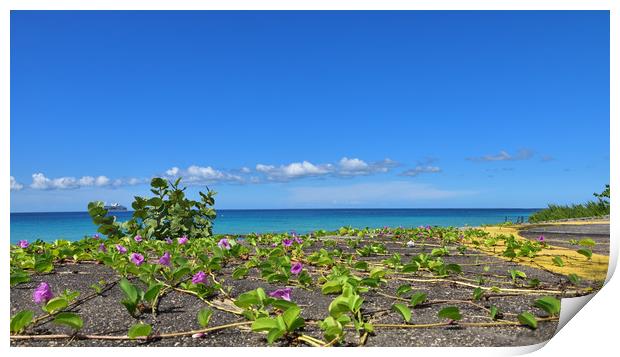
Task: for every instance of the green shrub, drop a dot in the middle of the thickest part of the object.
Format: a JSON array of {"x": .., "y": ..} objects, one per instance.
[
  {"x": 588, "y": 209},
  {"x": 167, "y": 214}
]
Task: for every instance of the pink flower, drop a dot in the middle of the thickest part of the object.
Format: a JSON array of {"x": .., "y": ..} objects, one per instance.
[
  {"x": 23, "y": 244},
  {"x": 287, "y": 242},
  {"x": 199, "y": 278},
  {"x": 138, "y": 238},
  {"x": 296, "y": 268},
  {"x": 121, "y": 249},
  {"x": 284, "y": 294},
  {"x": 136, "y": 258},
  {"x": 182, "y": 240},
  {"x": 165, "y": 259},
  {"x": 42, "y": 294},
  {"x": 168, "y": 240},
  {"x": 224, "y": 244},
  {"x": 298, "y": 240},
  {"x": 541, "y": 238},
  {"x": 102, "y": 248}
]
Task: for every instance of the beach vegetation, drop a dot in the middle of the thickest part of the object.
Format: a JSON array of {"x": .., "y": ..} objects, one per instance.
[
  {"x": 597, "y": 208},
  {"x": 168, "y": 213}
]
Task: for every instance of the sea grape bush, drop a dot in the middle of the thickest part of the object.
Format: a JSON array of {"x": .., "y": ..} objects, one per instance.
[{"x": 167, "y": 214}]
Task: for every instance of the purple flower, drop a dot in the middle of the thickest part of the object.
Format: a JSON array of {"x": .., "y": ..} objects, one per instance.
[
  {"x": 284, "y": 294},
  {"x": 165, "y": 259},
  {"x": 428, "y": 228},
  {"x": 23, "y": 244},
  {"x": 296, "y": 268},
  {"x": 541, "y": 238},
  {"x": 102, "y": 248},
  {"x": 298, "y": 240},
  {"x": 224, "y": 244},
  {"x": 96, "y": 236},
  {"x": 199, "y": 278},
  {"x": 182, "y": 240},
  {"x": 42, "y": 294},
  {"x": 121, "y": 249},
  {"x": 136, "y": 258},
  {"x": 168, "y": 240},
  {"x": 273, "y": 245},
  {"x": 287, "y": 242},
  {"x": 138, "y": 238}
]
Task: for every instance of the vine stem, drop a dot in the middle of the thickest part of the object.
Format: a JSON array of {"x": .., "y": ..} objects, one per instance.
[
  {"x": 530, "y": 291},
  {"x": 311, "y": 341},
  {"x": 470, "y": 324},
  {"x": 104, "y": 337}
]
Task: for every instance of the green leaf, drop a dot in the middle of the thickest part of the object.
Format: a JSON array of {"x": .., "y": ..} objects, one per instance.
[
  {"x": 151, "y": 294},
  {"x": 550, "y": 304},
  {"x": 240, "y": 272},
  {"x": 204, "y": 315},
  {"x": 292, "y": 319},
  {"x": 493, "y": 311},
  {"x": 70, "y": 319},
  {"x": 417, "y": 299},
  {"x": 409, "y": 268},
  {"x": 450, "y": 312},
  {"x": 588, "y": 242},
  {"x": 131, "y": 292},
  {"x": 274, "y": 335},
  {"x": 180, "y": 272},
  {"x": 528, "y": 319},
  {"x": 477, "y": 294},
  {"x": 21, "y": 320},
  {"x": 558, "y": 261},
  {"x": 362, "y": 265},
  {"x": 248, "y": 299},
  {"x": 139, "y": 330},
  {"x": 158, "y": 182},
  {"x": 332, "y": 287},
  {"x": 574, "y": 278},
  {"x": 403, "y": 310},
  {"x": 264, "y": 324},
  {"x": 18, "y": 277},
  {"x": 585, "y": 252},
  {"x": 43, "y": 265},
  {"x": 403, "y": 289},
  {"x": 56, "y": 304}
]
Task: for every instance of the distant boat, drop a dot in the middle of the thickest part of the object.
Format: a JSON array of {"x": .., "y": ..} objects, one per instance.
[{"x": 115, "y": 207}]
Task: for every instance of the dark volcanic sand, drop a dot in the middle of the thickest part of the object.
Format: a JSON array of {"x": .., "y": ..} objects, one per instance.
[{"x": 104, "y": 315}]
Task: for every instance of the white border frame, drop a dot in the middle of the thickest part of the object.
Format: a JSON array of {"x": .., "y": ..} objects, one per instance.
[{"x": 592, "y": 330}]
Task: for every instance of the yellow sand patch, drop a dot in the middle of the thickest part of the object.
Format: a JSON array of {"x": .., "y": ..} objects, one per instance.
[{"x": 574, "y": 263}]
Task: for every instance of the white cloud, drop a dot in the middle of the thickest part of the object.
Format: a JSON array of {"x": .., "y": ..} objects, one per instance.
[
  {"x": 355, "y": 167},
  {"x": 86, "y": 181},
  {"x": 372, "y": 193},
  {"x": 522, "y": 154},
  {"x": 101, "y": 181},
  {"x": 293, "y": 170},
  {"x": 345, "y": 167},
  {"x": 203, "y": 174},
  {"x": 15, "y": 186},
  {"x": 421, "y": 169},
  {"x": 245, "y": 170},
  {"x": 173, "y": 171},
  {"x": 41, "y": 182}
]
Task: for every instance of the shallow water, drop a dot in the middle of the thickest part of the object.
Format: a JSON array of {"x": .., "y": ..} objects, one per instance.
[{"x": 50, "y": 226}]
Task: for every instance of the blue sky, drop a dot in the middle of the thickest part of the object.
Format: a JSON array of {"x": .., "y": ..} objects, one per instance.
[{"x": 310, "y": 109}]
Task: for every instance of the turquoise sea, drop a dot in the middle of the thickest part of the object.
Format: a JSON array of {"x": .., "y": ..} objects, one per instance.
[{"x": 50, "y": 226}]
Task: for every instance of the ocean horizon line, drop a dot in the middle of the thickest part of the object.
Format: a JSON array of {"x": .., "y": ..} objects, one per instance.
[{"x": 322, "y": 209}]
